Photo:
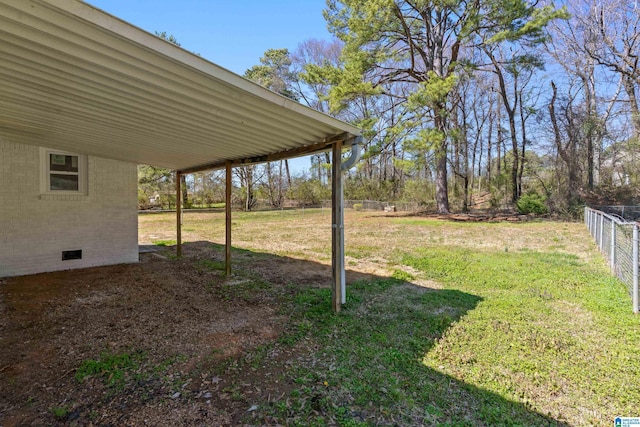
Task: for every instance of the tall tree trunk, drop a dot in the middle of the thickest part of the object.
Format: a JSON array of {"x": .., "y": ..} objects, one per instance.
[
  {"x": 499, "y": 141},
  {"x": 269, "y": 186},
  {"x": 514, "y": 165},
  {"x": 477, "y": 152},
  {"x": 515, "y": 194},
  {"x": 567, "y": 153},
  {"x": 589, "y": 89},
  {"x": 510, "y": 110},
  {"x": 630, "y": 89},
  {"x": 489, "y": 142},
  {"x": 286, "y": 167},
  {"x": 523, "y": 131},
  {"x": 442, "y": 191},
  {"x": 247, "y": 173},
  {"x": 327, "y": 160},
  {"x": 185, "y": 191},
  {"x": 440, "y": 119},
  {"x": 280, "y": 192},
  {"x": 394, "y": 171},
  {"x": 456, "y": 162}
]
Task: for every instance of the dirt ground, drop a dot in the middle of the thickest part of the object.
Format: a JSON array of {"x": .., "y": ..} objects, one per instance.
[
  {"x": 182, "y": 322},
  {"x": 187, "y": 329}
]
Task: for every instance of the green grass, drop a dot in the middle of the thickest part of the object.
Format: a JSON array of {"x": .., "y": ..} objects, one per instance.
[
  {"x": 125, "y": 372},
  {"x": 549, "y": 325},
  {"x": 371, "y": 371},
  {"x": 211, "y": 265},
  {"x": 514, "y": 339},
  {"x": 114, "y": 369},
  {"x": 59, "y": 411},
  {"x": 165, "y": 242},
  {"x": 523, "y": 325},
  {"x": 529, "y": 338}
]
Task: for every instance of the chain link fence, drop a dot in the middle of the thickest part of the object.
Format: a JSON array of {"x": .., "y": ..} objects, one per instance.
[
  {"x": 617, "y": 239},
  {"x": 292, "y": 205},
  {"x": 373, "y": 205},
  {"x": 628, "y": 213}
]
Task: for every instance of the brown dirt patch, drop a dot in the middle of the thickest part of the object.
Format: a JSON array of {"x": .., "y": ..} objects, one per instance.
[
  {"x": 186, "y": 322},
  {"x": 474, "y": 216}
]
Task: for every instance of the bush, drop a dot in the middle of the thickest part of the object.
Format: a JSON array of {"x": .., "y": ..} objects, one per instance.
[
  {"x": 309, "y": 191},
  {"x": 532, "y": 203},
  {"x": 357, "y": 206}
]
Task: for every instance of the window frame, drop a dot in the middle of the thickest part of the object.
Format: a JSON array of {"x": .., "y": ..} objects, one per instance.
[{"x": 46, "y": 172}]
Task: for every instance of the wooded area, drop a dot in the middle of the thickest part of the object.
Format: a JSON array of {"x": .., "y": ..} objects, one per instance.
[{"x": 485, "y": 104}]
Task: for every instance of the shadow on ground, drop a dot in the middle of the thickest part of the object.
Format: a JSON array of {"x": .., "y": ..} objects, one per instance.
[{"x": 174, "y": 342}]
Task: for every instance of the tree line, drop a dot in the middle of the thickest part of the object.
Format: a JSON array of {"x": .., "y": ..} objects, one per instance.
[{"x": 491, "y": 103}]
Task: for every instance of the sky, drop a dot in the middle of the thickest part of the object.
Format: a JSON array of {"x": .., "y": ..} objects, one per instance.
[{"x": 233, "y": 34}]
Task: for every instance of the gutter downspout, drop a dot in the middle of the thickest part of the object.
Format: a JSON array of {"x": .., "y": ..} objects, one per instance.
[
  {"x": 355, "y": 155},
  {"x": 344, "y": 167}
]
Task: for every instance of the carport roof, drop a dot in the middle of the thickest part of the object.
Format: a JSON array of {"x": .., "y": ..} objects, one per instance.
[{"x": 75, "y": 78}]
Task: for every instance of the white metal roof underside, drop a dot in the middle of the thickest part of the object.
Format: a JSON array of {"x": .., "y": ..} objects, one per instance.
[{"x": 75, "y": 78}]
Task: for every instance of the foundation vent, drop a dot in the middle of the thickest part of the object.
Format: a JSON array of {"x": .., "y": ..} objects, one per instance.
[{"x": 69, "y": 255}]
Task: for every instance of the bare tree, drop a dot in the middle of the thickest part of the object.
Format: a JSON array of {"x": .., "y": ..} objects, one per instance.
[
  {"x": 612, "y": 39},
  {"x": 248, "y": 177},
  {"x": 514, "y": 71},
  {"x": 570, "y": 47}
]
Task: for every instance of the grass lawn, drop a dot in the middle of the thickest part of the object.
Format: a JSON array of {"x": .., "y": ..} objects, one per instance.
[{"x": 464, "y": 323}]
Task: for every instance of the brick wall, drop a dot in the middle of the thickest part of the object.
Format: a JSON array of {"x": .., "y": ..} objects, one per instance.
[{"x": 35, "y": 228}]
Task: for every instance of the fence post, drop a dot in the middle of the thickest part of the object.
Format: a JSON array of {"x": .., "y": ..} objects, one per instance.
[
  {"x": 586, "y": 216},
  {"x": 635, "y": 268},
  {"x": 600, "y": 236},
  {"x": 613, "y": 246}
]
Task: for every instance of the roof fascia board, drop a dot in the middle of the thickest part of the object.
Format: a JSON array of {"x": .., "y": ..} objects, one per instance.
[{"x": 346, "y": 139}]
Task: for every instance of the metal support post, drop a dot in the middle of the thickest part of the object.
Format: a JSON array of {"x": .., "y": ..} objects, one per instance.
[
  {"x": 337, "y": 224},
  {"x": 178, "y": 215},
  {"x": 343, "y": 276},
  {"x": 227, "y": 222}
]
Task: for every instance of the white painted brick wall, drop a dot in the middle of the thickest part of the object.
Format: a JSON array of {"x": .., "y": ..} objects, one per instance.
[{"x": 35, "y": 229}]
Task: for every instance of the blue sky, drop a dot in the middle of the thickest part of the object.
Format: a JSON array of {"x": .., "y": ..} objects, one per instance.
[{"x": 231, "y": 33}]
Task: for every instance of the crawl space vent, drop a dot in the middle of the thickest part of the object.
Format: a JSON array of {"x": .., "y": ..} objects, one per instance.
[{"x": 69, "y": 255}]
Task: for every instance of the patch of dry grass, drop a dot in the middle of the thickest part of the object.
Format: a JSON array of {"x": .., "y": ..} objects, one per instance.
[
  {"x": 509, "y": 324},
  {"x": 373, "y": 240}
]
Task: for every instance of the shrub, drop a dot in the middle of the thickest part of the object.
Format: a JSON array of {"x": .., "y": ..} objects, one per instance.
[
  {"x": 357, "y": 206},
  {"x": 532, "y": 203}
]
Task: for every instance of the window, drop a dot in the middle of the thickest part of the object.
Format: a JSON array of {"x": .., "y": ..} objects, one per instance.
[{"x": 63, "y": 172}]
